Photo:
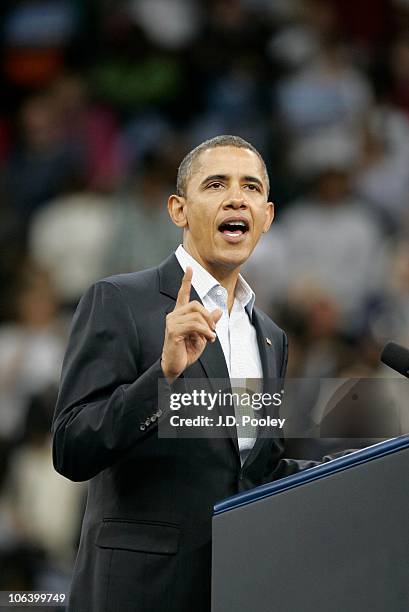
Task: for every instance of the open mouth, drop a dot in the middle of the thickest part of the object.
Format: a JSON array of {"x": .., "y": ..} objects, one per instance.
[{"x": 234, "y": 228}]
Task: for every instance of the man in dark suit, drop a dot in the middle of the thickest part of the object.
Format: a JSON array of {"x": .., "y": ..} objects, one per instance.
[{"x": 146, "y": 536}]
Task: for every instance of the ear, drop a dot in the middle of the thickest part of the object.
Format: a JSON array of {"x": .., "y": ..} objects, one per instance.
[
  {"x": 269, "y": 216},
  {"x": 177, "y": 210}
]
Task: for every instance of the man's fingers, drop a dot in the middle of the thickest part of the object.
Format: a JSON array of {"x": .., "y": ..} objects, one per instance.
[
  {"x": 184, "y": 315},
  {"x": 196, "y": 307},
  {"x": 189, "y": 327},
  {"x": 185, "y": 287}
]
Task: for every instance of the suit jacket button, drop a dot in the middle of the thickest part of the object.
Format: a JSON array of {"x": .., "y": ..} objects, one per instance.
[
  {"x": 159, "y": 412},
  {"x": 154, "y": 417},
  {"x": 147, "y": 422},
  {"x": 142, "y": 427}
]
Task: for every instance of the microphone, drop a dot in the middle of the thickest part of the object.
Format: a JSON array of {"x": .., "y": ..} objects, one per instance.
[{"x": 396, "y": 357}]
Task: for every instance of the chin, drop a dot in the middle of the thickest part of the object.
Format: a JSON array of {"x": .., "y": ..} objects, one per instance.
[{"x": 233, "y": 260}]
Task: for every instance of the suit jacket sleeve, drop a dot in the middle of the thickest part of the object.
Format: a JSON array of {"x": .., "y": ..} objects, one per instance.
[{"x": 104, "y": 398}]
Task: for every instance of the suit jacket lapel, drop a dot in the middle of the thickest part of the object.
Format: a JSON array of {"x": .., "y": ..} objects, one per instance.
[
  {"x": 267, "y": 350},
  {"x": 214, "y": 364},
  {"x": 268, "y": 357}
]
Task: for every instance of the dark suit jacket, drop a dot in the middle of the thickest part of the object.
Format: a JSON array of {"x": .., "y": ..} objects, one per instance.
[{"x": 146, "y": 537}]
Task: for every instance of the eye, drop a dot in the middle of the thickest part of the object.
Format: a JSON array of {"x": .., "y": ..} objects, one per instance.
[
  {"x": 215, "y": 185},
  {"x": 252, "y": 187}
]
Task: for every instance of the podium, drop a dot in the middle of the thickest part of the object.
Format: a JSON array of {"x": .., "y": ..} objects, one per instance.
[{"x": 333, "y": 538}]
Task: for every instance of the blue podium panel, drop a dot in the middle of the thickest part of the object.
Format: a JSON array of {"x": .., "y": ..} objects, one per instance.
[{"x": 334, "y": 538}]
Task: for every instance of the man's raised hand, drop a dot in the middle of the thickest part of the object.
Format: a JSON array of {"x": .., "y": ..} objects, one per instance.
[{"x": 188, "y": 329}]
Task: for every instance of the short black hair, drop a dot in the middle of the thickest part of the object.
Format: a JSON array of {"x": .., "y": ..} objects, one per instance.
[{"x": 224, "y": 140}]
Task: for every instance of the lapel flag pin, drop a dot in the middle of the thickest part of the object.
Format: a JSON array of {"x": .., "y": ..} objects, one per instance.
[{"x": 268, "y": 341}]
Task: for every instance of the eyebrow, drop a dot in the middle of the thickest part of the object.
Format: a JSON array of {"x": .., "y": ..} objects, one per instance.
[
  {"x": 224, "y": 177},
  {"x": 253, "y": 179}
]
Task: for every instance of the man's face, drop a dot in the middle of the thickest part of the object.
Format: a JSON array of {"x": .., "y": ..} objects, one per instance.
[{"x": 225, "y": 208}]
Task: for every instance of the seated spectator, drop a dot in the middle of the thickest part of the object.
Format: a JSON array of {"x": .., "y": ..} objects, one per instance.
[
  {"x": 382, "y": 175},
  {"x": 45, "y": 508},
  {"x": 42, "y": 161},
  {"x": 143, "y": 234},
  {"x": 31, "y": 347},
  {"x": 91, "y": 129},
  {"x": 70, "y": 237},
  {"x": 326, "y": 98}
]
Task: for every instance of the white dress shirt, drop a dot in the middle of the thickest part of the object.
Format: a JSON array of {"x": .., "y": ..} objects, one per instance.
[{"x": 235, "y": 331}]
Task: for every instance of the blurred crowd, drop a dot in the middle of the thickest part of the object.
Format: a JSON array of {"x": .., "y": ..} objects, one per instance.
[{"x": 101, "y": 99}]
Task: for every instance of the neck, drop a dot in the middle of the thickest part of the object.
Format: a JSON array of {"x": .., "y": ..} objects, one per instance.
[{"x": 227, "y": 277}]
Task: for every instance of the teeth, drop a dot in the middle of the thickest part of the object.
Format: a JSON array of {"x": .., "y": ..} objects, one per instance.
[
  {"x": 234, "y": 226},
  {"x": 235, "y": 223}
]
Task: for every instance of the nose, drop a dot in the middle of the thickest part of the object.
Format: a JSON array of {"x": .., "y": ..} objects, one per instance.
[
  {"x": 235, "y": 204},
  {"x": 235, "y": 200}
]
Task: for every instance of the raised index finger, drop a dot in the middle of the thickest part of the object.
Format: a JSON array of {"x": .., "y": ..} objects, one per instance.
[{"x": 185, "y": 287}]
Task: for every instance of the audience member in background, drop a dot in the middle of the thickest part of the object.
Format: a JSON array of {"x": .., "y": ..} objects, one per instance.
[
  {"x": 70, "y": 236},
  {"x": 133, "y": 74},
  {"x": 172, "y": 24},
  {"x": 236, "y": 101},
  {"x": 382, "y": 175},
  {"x": 91, "y": 130},
  {"x": 315, "y": 328},
  {"x": 328, "y": 98},
  {"x": 31, "y": 347},
  {"x": 334, "y": 387},
  {"x": 330, "y": 239},
  {"x": 368, "y": 404},
  {"x": 45, "y": 508},
  {"x": 42, "y": 160},
  {"x": 312, "y": 321},
  {"x": 142, "y": 232}
]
